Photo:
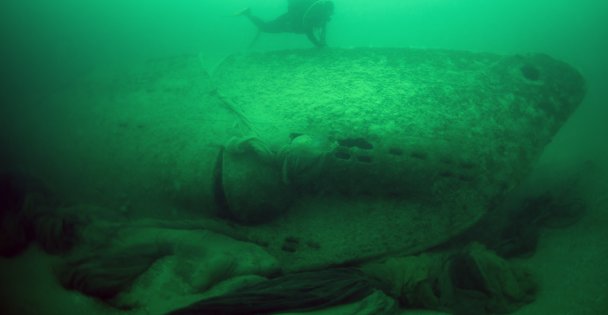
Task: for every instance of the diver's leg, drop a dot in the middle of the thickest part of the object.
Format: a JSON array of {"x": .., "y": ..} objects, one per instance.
[{"x": 278, "y": 25}]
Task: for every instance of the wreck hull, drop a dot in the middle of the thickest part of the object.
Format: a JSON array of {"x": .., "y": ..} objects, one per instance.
[
  {"x": 421, "y": 143},
  {"x": 360, "y": 152}
]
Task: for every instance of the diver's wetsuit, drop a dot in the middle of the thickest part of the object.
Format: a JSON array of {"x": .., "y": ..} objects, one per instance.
[{"x": 308, "y": 17}]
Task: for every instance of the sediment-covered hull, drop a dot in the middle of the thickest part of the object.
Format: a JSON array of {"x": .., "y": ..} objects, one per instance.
[
  {"x": 419, "y": 143},
  {"x": 325, "y": 156}
]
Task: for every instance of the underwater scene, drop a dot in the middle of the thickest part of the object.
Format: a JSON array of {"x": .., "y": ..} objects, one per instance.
[{"x": 322, "y": 157}]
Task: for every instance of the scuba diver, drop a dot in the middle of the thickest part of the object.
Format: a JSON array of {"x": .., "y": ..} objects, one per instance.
[{"x": 308, "y": 17}]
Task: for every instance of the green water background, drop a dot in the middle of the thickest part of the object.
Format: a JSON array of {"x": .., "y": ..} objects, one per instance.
[{"x": 46, "y": 44}]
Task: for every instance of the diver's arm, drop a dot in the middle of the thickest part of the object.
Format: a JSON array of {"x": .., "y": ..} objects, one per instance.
[
  {"x": 322, "y": 33},
  {"x": 311, "y": 36},
  {"x": 319, "y": 42}
]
